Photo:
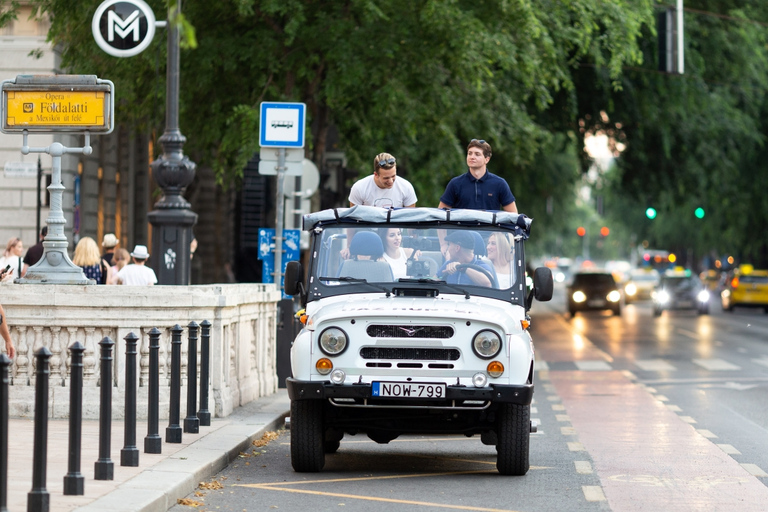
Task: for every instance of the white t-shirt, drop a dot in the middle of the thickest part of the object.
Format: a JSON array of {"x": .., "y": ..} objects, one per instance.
[
  {"x": 137, "y": 275},
  {"x": 367, "y": 192},
  {"x": 399, "y": 266}
]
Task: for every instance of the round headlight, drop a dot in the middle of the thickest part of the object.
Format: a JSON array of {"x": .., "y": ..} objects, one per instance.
[
  {"x": 630, "y": 289},
  {"x": 703, "y": 296},
  {"x": 614, "y": 296},
  {"x": 333, "y": 341},
  {"x": 579, "y": 296},
  {"x": 486, "y": 344},
  {"x": 662, "y": 297}
]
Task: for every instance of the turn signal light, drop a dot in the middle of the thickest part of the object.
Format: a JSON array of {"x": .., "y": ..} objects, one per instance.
[
  {"x": 324, "y": 366},
  {"x": 495, "y": 369},
  {"x": 525, "y": 324}
]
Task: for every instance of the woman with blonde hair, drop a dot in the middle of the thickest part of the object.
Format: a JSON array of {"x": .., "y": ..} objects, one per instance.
[
  {"x": 12, "y": 257},
  {"x": 501, "y": 253},
  {"x": 120, "y": 259},
  {"x": 88, "y": 257}
]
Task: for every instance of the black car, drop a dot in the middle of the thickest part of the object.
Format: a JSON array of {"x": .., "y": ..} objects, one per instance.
[
  {"x": 594, "y": 291},
  {"x": 681, "y": 290}
]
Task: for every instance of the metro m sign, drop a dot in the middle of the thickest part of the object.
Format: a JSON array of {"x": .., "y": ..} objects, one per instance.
[{"x": 123, "y": 28}]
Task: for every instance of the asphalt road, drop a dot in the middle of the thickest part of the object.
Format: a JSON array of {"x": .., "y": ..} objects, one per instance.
[{"x": 635, "y": 413}]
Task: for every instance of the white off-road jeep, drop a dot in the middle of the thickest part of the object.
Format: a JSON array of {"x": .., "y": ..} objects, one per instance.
[{"x": 413, "y": 345}]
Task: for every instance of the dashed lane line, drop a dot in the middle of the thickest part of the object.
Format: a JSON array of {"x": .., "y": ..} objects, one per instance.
[
  {"x": 593, "y": 492},
  {"x": 754, "y": 470},
  {"x": 718, "y": 365},
  {"x": 706, "y": 433},
  {"x": 655, "y": 365},
  {"x": 729, "y": 449},
  {"x": 593, "y": 366},
  {"x": 583, "y": 467}
]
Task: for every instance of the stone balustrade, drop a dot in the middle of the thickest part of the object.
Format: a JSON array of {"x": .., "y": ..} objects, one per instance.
[{"x": 242, "y": 352}]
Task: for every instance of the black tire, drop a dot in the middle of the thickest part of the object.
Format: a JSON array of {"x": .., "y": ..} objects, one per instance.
[
  {"x": 617, "y": 310},
  {"x": 332, "y": 441},
  {"x": 657, "y": 311},
  {"x": 307, "y": 446},
  {"x": 704, "y": 310},
  {"x": 513, "y": 431}
]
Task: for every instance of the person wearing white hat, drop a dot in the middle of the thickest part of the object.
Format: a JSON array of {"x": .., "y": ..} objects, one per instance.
[
  {"x": 109, "y": 242},
  {"x": 137, "y": 273}
]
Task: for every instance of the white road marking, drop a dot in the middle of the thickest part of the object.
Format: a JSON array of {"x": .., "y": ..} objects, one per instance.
[
  {"x": 729, "y": 449},
  {"x": 762, "y": 361},
  {"x": 687, "y": 419},
  {"x": 716, "y": 365},
  {"x": 661, "y": 398},
  {"x": 593, "y": 366},
  {"x": 562, "y": 417},
  {"x": 593, "y": 492},
  {"x": 583, "y": 467},
  {"x": 568, "y": 431},
  {"x": 754, "y": 470},
  {"x": 690, "y": 334},
  {"x": 540, "y": 366},
  {"x": 706, "y": 433},
  {"x": 654, "y": 365},
  {"x": 558, "y": 407},
  {"x": 576, "y": 447},
  {"x": 674, "y": 408}
]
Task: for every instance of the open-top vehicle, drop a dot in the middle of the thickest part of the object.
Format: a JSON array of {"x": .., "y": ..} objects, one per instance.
[{"x": 420, "y": 346}]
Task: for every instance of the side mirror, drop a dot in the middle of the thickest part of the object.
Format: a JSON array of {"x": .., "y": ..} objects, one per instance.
[
  {"x": 543, "y": 285},
  {"x": 293, "y": 277}
]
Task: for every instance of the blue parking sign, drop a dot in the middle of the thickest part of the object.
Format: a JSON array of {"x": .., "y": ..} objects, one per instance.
[{"x": 291, "y": 251}]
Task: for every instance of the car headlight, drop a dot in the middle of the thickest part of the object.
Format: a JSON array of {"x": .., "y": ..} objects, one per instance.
[
  {"x": 614, "y": 296},
  {"x": 703, "y": 296},
  {"x": 630, "y": 289},
  {"x": 559, "y": 277},
  {"x": 578, "y": 296},
  {"x": 333, "y": 341},
  {"x": 662, "y": 297},
  {"x": 486, "y": 344}
]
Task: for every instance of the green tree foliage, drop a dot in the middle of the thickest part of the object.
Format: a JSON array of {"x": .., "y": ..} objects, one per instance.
[
  {"x": 417, "y": 78},
  {"x": 696, "y": 139}
]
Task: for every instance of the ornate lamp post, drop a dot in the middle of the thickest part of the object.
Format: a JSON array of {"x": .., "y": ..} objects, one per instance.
[{"x": 172, "y": 219}]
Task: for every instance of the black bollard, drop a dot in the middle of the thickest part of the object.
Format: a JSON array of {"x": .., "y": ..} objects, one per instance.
[
  {"x": 153, "y": 443},
  {"x": 104, "y": 468},
  {"x": 74, "y": 481},
  {"x": 192, "y": 422},
  {"x": 205, "y": 356},
  {"x": 38, "y": 499},
  {"x": 129, "y": 455},
  {"x": 5, "y": 387},
  {"x": 173, "y": 431}
]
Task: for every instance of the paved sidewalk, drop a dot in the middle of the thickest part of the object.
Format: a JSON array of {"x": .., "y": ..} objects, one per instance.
[{"x": 158, "y": 481}]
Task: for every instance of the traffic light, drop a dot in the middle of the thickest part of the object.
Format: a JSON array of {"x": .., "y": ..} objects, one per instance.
[
  {"x": 604, "y": 231},
  {"x": 650, "y": 213},
  {"x": 581, "y": 231},
  {"x": 699, "y": 213}
]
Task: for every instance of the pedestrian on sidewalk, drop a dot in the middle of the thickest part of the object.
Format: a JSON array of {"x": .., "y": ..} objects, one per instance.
[
  {"x": 5, "y": 332},
  {"x": 35, "y": 252},
  {"x": 119, "y": 260},
  {"x": 88, "y": 257},
  {"x": 137, "y": 273},
  {"x": 12, "y": 257}
]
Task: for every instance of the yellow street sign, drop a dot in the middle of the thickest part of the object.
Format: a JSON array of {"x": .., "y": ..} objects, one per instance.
[
  {"x": 70, "y": 103},
  {"x": 55, "y": 109}
]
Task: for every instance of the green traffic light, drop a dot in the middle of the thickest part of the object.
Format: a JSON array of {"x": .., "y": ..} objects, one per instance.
[
  {"x": 650, "y": 213},
  {"x": 699, "y": 213}
]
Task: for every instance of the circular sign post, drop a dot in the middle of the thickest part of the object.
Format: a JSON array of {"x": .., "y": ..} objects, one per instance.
[{"x": 123, "y": 28}]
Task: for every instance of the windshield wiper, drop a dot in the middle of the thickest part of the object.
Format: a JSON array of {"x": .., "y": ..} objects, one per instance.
[
  {"x": 435, "y": 281},
  {"x": 348, "y": 279}
]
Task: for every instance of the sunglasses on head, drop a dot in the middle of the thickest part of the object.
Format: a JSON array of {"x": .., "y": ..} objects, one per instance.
[
  {"x": 386, "y": 163},
  {"x": 481, "y": 141}
]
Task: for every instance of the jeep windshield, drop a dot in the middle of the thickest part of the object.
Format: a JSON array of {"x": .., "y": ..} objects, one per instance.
[{"x": 418, "y": 252}]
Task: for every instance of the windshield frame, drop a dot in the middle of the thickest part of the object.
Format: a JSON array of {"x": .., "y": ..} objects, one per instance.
[{"x": 323, "y": 232}]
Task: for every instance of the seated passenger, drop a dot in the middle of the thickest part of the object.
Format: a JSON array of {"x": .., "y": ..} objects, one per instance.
[
  {"x": 460, "y": 249},
  {"x": 394, "y": 254},
  {"x": 501, "y": 254}
]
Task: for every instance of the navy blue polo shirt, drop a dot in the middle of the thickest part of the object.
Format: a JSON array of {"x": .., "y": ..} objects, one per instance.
[{"x": 490, "y": 192}]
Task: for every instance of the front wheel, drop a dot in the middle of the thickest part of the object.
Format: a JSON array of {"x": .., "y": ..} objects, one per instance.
[
  {"x": 514, "y": 431},
  {"x": 657, "y": 311},
  {"x": 307, "y": 439}
]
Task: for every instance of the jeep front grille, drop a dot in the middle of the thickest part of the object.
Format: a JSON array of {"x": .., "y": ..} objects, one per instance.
[
  {"x": 412, "y": 354},
  {"x": 410, "y": 331}
]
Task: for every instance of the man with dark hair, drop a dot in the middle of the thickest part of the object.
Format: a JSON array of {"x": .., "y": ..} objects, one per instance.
[
  {"x": 478, "y": 188},
  {"x": 35, "y": 252}
]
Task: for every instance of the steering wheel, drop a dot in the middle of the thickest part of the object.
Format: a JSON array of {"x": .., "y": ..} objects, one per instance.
[{"x": 491, "y": 278}]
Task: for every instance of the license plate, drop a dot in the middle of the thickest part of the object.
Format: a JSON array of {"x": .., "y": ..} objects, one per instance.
[
  {"x": 596, "y": 303},
  {"x": 408, "y": 390}
]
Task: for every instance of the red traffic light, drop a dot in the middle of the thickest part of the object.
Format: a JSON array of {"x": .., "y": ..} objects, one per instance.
[
  {"x": 581, "y": 231},
  {"x": 604, "y": 231}
]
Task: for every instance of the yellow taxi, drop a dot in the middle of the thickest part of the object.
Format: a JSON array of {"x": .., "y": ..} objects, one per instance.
[{"x": 747, "y": 287}]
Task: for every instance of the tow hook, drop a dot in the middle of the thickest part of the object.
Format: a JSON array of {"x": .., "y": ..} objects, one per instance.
[{"x": 534, "y": 427}]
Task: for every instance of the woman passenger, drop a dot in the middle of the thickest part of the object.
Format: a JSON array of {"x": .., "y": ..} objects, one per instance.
[
  {"x": 501, "y": 252},
  {"x": 394, "y": 254}
]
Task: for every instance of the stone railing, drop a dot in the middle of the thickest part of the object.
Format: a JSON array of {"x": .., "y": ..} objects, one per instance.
[{"x": 242, "y": 350}]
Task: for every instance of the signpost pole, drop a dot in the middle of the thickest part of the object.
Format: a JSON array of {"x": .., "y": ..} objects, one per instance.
[
  {"x": 55, "y": 267},
  {"x": 279, "y": 204}
]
